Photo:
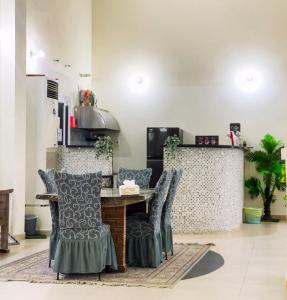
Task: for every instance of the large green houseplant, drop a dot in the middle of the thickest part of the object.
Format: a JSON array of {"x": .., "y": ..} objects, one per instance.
[{"x": 271, "y": 171}]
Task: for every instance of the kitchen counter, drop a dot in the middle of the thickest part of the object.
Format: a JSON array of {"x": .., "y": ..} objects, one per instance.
[{"x": 210, "y": 194}]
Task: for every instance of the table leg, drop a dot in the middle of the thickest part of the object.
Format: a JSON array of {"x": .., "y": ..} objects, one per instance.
[
  {"x": 136, "y": 208},
  {"x": 4, "y": 239},
  {"x": 116, "y": 218},
  {"x": 4, "y": 199}
]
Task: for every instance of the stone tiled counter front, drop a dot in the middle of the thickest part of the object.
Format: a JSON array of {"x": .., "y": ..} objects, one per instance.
[
  {"x": 211, "y": 191},
  {"x": 79, "y": 160}
]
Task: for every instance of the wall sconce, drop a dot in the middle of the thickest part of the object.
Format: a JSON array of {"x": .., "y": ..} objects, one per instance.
[
  {"x": 249, "y": 80},
  {"x": 139, "y": 80},
  {"x": 138, "y": 84}
]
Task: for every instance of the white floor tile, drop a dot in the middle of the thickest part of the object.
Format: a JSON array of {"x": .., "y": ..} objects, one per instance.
[{"x": 255, "y": 269}]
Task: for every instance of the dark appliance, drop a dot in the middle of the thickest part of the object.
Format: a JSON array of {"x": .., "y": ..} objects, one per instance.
[
  {"x": 93, "y": 136},
  {"x": 63, "y": 131},
  {"x": 156, "y": 137}
]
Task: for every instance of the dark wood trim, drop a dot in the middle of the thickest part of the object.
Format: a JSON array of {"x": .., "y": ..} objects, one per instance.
[{"x": 9, "y": 191}]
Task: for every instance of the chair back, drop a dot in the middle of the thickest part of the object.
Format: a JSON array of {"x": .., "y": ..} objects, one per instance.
[
  {"x": 158, "y": 199},
  {"x": 141, "y": 177},
  {"x": 79, "y": 200},
  {"x": 48, "y": 179},
  {"x": 167, "y": 207}
]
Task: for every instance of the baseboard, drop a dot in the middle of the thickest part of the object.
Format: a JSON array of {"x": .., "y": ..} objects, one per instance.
[
  {"x": 22, "y": 236},
  {"x": 280, "y": 217},
  {"x": 44, "y": 231},
  {"x": 19, "y": 237}
]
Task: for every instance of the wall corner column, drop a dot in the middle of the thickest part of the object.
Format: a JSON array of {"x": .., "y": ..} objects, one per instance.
[{"x": 13, "y": 106}]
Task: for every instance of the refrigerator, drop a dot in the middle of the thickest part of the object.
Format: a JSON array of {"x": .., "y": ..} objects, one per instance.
[{"x": 156, "y": 137}]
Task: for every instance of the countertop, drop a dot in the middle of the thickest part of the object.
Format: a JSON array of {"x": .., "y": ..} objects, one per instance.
[
  {"x": 211, "y": 146},
  {"x": 110, "y": 197},
  {"x": 80, "y": 146}
]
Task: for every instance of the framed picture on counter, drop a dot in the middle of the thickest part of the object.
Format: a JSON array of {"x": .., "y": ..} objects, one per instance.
[
  {"x": 207, "y": 140},
  {"x": 235, "y": 127}
]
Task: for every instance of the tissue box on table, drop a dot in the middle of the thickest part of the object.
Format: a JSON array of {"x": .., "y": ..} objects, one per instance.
[{"x": 129, "y": 188}]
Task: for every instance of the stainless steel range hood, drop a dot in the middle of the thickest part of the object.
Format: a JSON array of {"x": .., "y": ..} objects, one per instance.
[{"x": 95, "y": 118}]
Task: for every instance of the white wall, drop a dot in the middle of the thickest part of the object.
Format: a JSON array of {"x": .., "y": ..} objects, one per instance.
[
  {"x": 63, "y": 31},
  {"x": 13, "y": 107},
  {"x": 190, "y": 53}
]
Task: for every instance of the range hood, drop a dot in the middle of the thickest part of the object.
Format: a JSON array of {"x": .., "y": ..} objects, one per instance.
[{"x": 93, "y": 118}]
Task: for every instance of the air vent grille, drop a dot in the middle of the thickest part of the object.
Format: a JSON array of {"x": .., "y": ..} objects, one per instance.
[{"x": 52, "y": 89}]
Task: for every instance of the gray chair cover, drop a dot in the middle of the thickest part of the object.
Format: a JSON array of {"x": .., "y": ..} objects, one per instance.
[
  {"x": 166, "y": 229},
  {"x": 49, "y": 180},
  {"x": 141, "y": 177},
  {"x": 144, "y": 241},
  {"x": 86, "y": 244}
]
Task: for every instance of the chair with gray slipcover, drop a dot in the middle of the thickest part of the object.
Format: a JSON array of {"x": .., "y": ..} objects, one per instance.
[
  {"x": 85, "y": 244},
  {"x": 144, "y": 241},
  {"x": 166, "y": 229},
  {"x": 141, "y": 177},
  {"x": 48, "y": 179}
]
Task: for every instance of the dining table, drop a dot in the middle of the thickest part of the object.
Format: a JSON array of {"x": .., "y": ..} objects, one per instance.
[{"x": 114, "y": 213}]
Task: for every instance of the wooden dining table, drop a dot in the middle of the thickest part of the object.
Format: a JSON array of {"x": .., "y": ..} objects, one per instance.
[{"x": 114, "y": 213}]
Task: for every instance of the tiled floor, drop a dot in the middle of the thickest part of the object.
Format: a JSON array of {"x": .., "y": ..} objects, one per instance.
[{"x": 255, "y": 268}]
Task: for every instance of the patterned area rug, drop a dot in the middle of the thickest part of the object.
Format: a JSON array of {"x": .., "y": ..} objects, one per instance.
[{"x": 34, "y": 268}]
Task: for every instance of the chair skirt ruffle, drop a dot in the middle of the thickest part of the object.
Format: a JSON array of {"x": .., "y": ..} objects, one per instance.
[
  {"x": 144, "y": 251},
  {"x": 54, "y": 239},
  {"x": 85, "y": 256},
  {"x": 167, "y": 240}
]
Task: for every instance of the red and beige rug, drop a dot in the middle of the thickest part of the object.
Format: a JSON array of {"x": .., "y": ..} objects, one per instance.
[{"x": 35, "y": 269}]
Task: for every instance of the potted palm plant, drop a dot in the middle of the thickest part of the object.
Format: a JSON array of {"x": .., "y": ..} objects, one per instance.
[{"x": 271, "y": 171}]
